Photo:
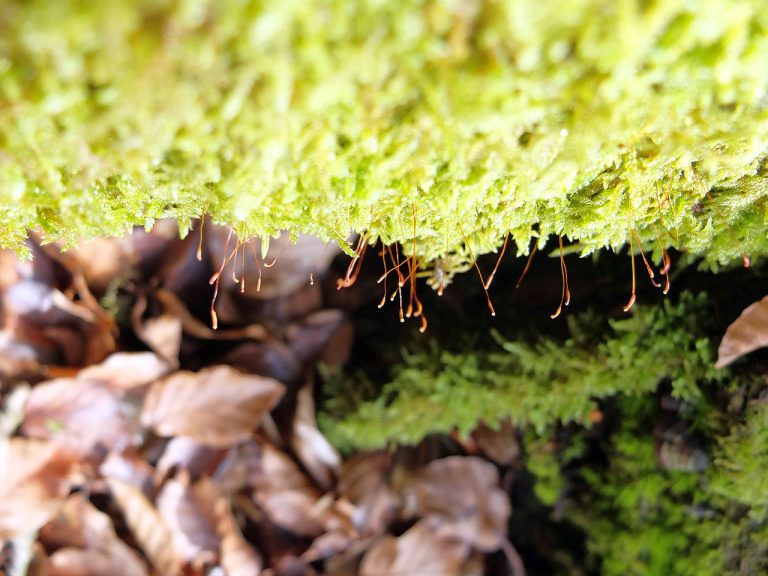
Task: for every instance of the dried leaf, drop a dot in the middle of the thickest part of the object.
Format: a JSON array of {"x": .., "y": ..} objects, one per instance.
[
  {"x": 194, "y": 327},
  {"x": 126, "y": 370},
  {"x": 238, "y": 558},
  {"x": 130, "y": 468},
  {"x": 418, "y": 551},
  {"x": 33, "y": 484},
  {"x": 65, "y": 411},
  {"x": 217, "y": 406},
  {"x": 364, "y": 481},
  {"x": 37, "y": 313},
  {"x": 499, "y": 444},
  {"x": 147, "y": 526},
  {"x": 90, "y": 562},
  {"x": 101, "y": 260},
  {"x": 87, "y": 543},
  {"x": 183, "y": 453},
  {"x": 286, "y": 495},
  {"x": 461, "y": 495},
  {"x": 294, "y": 262},
  {"x": 313, "y": 450},
  {"x": 163, "y": 334},
  {"x": 271, "y": 358},
  {"x": 325, "y": 335},
  {"x": 189, "y": 512},
  {"x": 746, "y": 334}
]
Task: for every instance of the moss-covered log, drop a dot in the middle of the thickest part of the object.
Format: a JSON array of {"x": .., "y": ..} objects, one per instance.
[{"x": 585, "y": 118}]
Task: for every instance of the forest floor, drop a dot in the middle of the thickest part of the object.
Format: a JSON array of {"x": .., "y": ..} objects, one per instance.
[{"x": 136, "y": 440}]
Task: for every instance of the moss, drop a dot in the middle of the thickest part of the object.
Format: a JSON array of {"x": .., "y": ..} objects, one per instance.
[
  {"x": 535, "y": 384},
  {"x": 644, "y": 519},
  {"x": 585, "y": 118}
]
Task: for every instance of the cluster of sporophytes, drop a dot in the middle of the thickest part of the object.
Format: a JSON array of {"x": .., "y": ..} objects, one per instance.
[
  {"x": 634, "y": 442},
  {"x": 604, "y": 122}
]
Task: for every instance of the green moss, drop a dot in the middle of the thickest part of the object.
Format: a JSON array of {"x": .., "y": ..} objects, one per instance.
[
  {"x": 644, "y": 520},
  {"x": 585, "y": 118},
  {"x": 742, "y": 459},
  {"x": 536, "y": 385}
]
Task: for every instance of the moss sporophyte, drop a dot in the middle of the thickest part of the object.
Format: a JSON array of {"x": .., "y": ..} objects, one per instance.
[{"x": 438, "y": 131}]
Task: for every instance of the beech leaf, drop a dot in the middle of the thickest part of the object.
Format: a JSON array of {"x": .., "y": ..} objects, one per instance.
[
  {"x": 238, "y": 558},
  {"x": 218, "y": 406},
  {"x": 418, "y": 551},
  {"x": 189, "y": 511},
  {"x": 87, "y": 544},
  {"x": 462, "y": 498},
  {"x": 147, "y": 526},
  {"x": 81, "y": 415},
  {"x": 746, "y": 334},
  {"x": 33, "y": 484},
  {"x": 126, "y": 370}
]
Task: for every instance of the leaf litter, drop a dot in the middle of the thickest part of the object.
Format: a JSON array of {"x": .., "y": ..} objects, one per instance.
[{"x": 137, "y": 440}]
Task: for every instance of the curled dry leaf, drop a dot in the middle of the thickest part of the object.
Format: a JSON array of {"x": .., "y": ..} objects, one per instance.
[
  {"x": 174, "y": 307},
  {"x": 147, "y": 527},
  {"x": 82, "y": 415},
  {"x": 183, "y": 453},
  {"x": 129, "y": 467},
  {"x": 33, "y": 484},
  {"x": 163, "y": 334},
  {"x": 270, "y": 357},
  {"x": 313, "y": 450},
  {"x": 499, "y": 444},
  {"x": 419, "y": 551},
  {"x": 286, "y": 495},
  {"x": 364, "y": 481},
  {"x": 126, "y": 370},
  {"x": 88, "y": 562},
  {"x": 217, "y": 406},
  {"x": 746, "y": 334},
  {"x": 326, "y": 335},
  {"x": 238, "y": 558},
  {"x": 39, "y": 314},
  {"x": 101, "y": 261},
  {"x": 86, "y": 543},
  {"x": 461, "y": 497},
  {"x": 190, "y": 513}
]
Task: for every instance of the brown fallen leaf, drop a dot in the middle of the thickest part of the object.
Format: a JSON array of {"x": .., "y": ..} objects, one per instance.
[
  {"x": 84, "y": 416},
  {"x": 746, "y": 334},
  {"x": 217, "y": 406},
  {"x": 238, "y": 557},
  {"x": 312, "y": 449},
  {"x": 183, "y": 453},
  {"x": 419, "y": 551},
  {"x": 194, "y": 327},
  {"x": 87, "y": 562},
  {"x": 147, "y": 526},
  {"x": 163, "y": 334},
  {"x": 100, "y": 261},
  {"x": 364, "y": 481},
  {"x": 462, "y": 498},
  {"x": 286, "y": 495},
  {"x": 129, "y": 467},
  {"x": 86, "y": 543},
  {"x": 37, "y": 313},
  {"x": 293, "y": 262},
  {"x": 499, "y": 444},
  {"x": 190, "y": 513},
  {"x": 326, "y": 335},
  {"x": 271, "y": 358},
  {"x": 126, "y": 370},
  {"x": 33, "y": 484}
]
